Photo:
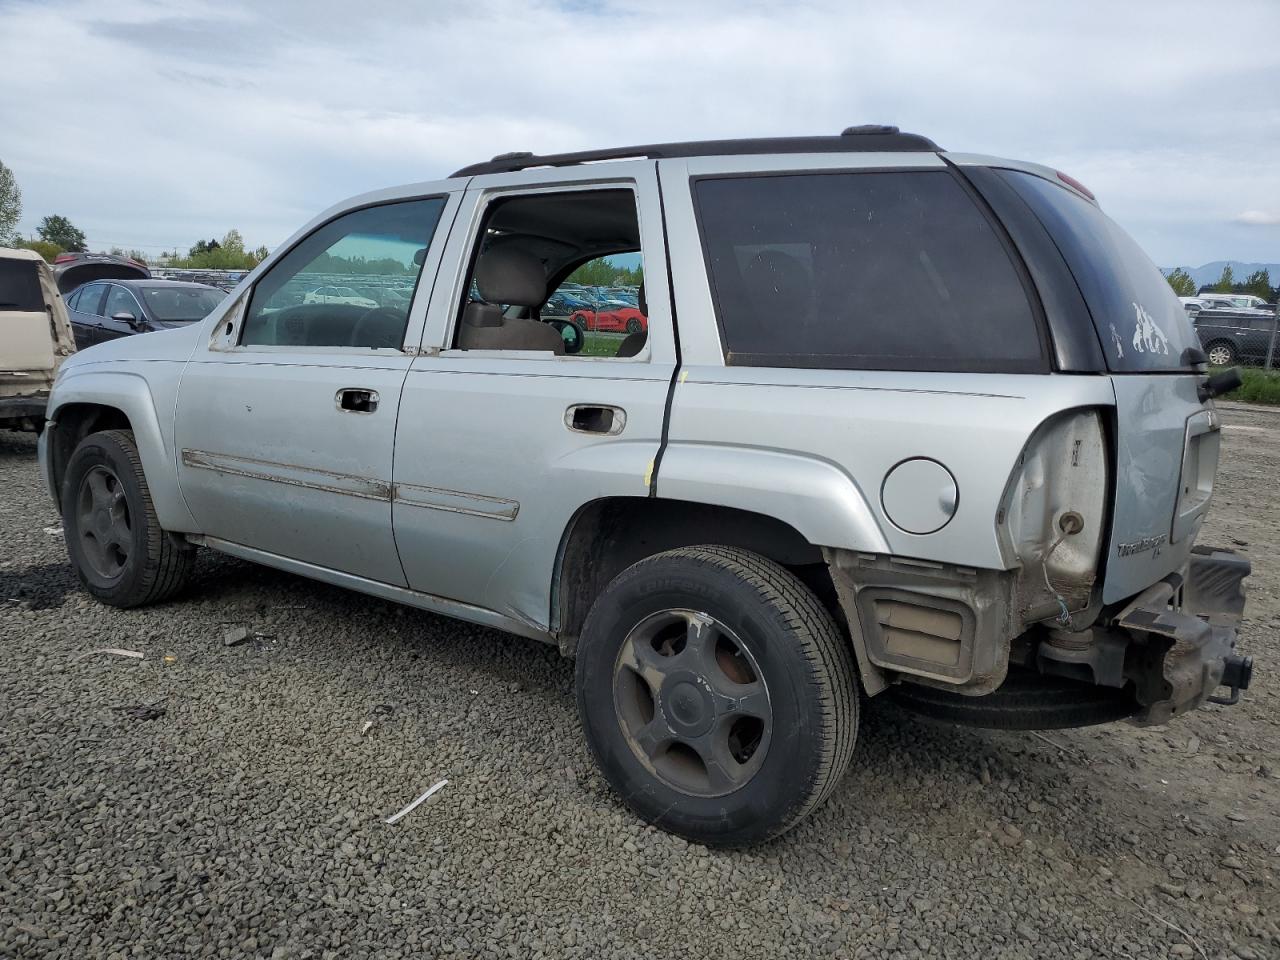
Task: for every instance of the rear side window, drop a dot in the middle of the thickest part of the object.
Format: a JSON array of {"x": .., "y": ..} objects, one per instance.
[
  {"x": 20, "y": 287},
  {"x": 882, "y": 270},
  {"x": 1138, "y": 317}
]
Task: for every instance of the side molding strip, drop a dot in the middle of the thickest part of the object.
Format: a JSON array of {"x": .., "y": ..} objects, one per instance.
[{"x": 312, "y": 478}]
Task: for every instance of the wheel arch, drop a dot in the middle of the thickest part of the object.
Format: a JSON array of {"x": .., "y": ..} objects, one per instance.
[
  {"x": 86, "y": 403},
  {"x": 607, "y": 535}
]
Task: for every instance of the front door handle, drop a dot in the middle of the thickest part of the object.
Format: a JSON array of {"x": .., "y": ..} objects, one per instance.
[
  {"x": 595, "y": 418},
  {"x": 357, "y": 400}
]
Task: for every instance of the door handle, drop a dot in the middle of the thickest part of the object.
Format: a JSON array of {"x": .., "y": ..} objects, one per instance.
[
  {"x": 595, "y": 418},
  {"x": 357, "y": 400}
]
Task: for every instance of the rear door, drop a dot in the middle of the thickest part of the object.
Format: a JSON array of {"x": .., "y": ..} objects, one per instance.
[
  {"x": 497, "y": 449},
  {"x": 1167, "y": 439},
  {"x": 85, "y": 311}
]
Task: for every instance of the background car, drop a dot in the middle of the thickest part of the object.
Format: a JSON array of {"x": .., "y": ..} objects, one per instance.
[
  {"x": 35, "y": 337},
  {"x": 107, "y": 309},
  {"x": 339, "y": 295},
  {"x": 618, "y": 320},
  {"x": 1237, "y": 336}
]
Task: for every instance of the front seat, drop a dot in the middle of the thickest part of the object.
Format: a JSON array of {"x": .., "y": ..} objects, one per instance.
[{"x": 507, "y": 275}]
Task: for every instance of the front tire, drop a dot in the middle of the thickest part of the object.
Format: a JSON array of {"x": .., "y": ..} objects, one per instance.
[
  {"x": 716, "y": 694},
  {"x": 114, "y": 539}
]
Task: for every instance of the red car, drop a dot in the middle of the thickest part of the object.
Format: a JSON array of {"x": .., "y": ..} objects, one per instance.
[{"x": 621, "y": 320}]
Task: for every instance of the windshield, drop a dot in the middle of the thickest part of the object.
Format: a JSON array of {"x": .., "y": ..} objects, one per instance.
[
  {"x": 181, "y": 304},
  {"x": 1138, "y": 318}
]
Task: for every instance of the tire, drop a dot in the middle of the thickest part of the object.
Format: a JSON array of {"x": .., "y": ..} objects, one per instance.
[
  {"x": 634, "y": 326},
  {"x": 1025, "y": 701},
  {"x": 729, "y": 641},
  {"x": 1221, "y": 353},
  {"x": 114, "y": 539}
]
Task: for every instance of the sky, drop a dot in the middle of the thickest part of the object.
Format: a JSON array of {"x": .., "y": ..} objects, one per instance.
[{"x": 153, "y": 124}]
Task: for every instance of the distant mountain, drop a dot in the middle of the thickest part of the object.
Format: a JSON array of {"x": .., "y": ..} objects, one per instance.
[{"x": 1210, "y": 272}]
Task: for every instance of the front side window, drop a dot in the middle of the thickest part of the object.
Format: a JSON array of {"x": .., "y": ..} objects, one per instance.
[
  {"x": 344, "y": 285},
  {"x": 120, "y": 300},
  {"x": 879, "y": 270}
]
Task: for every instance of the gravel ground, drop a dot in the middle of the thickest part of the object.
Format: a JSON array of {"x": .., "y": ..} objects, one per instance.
[{"x": 247, "y": 821}]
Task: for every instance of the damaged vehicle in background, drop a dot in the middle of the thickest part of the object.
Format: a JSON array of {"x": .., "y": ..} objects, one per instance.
[
  {"x": 953, "y": 450},
  {"x": 35, "y": 337}
]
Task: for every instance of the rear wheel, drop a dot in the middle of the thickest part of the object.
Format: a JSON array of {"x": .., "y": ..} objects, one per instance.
[
  {"x": 717, "y": 694},
  {"x": 1221, "y": 353},
  {"x": 634, "y": 326},
  {"x": 114, "y": 539}
]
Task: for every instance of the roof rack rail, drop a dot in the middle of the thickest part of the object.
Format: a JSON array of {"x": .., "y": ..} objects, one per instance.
[{"x": 868, "y": 138}]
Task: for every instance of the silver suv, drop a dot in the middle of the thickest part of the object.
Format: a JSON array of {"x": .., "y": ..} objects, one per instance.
[{"x": 891, "y": 422}]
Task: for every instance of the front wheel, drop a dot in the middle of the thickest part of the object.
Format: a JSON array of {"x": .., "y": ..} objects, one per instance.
[
  {"x": 1221, "y": 354},
  {"x": 717, "y": 694},
  {"x": 114, "y": 539}
]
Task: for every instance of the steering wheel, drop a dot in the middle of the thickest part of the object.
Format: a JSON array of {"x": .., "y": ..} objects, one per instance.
[{"x": 380, "y": 327}]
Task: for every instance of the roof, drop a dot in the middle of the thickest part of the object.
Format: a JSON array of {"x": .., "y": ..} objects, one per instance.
[
  {"x": 15, "y": 253},
  {"x": 869, "y": 138},
  {"x": 166, "y": 283}
]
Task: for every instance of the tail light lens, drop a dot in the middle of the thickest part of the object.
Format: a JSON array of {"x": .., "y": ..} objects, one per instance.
[{"x": 1075, "y": 184}]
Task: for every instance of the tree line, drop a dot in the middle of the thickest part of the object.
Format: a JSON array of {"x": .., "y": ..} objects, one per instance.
[{"x": 1257, "y": 283}]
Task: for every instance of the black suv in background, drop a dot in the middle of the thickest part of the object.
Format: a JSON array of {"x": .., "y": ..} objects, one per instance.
[{"x": 1238, "y": 336}]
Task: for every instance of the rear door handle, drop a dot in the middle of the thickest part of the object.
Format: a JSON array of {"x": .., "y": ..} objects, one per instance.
[
  {"x": 357, "y": 400},
  {"x": 595, "y": 418}
]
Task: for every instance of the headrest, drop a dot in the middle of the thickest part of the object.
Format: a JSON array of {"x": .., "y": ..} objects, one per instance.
[{"x": 511, "y": 276}]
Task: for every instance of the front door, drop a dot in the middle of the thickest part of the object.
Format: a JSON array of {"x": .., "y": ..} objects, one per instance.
[
  {"x": 504, "y": 434},
  {"x": 286, "y": 415}
]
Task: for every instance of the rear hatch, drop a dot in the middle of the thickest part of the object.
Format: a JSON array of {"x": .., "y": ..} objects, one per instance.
[
  {"x": 34, "y": 332},
  {"x": 76, "y": 269},
  {"x": 1166, "y": 438}
]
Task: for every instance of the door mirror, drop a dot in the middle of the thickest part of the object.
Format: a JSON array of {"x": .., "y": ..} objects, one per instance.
[
  {"x": 572, "y": 333},
  {"x": 124, "y": 316}
]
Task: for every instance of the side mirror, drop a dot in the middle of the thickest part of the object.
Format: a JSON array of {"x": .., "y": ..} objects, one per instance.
[{"x": 124, "y": 316}]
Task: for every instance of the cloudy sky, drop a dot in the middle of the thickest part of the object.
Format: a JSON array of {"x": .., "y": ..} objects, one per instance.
[{"x": 151, "y": 124}]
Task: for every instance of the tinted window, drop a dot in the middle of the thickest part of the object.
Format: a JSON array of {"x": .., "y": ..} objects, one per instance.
[
  {"x": 120, "y": 300},
  {"x": 308, "y": 298},
  {"x": 20, "y": 286},
  {"x": 863, "y": 270},
  {"x": 1136, "y": 314},
  {"x": 181, "y": 304},
  {"x": 89, "y": 299}
]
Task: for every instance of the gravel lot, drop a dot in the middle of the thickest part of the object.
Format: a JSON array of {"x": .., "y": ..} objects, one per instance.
[{"x": 247, "y": 821}]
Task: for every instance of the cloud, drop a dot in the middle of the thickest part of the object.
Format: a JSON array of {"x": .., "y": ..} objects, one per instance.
[
  {"x": 154, "y": 123},
  {"x": 1258, "y": 218}
]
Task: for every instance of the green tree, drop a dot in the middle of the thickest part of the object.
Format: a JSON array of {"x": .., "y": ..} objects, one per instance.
[
  {"x": 1182, "y": 283},
  {"x": 10, "y": 207},
  {"x": 228, "y": 253},
  {"x": 602, "y": 272},
  {"x": 128, "y": 254},
  {"x": 56, "y": 228},
  {"x": 49, "y": 251},
  {"x": 1226, "y": 281},
  {"x": 1259, "y": 284}
]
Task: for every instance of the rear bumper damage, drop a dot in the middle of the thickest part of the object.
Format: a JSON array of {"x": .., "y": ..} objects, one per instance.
[{"x": 1173, "y": 645}]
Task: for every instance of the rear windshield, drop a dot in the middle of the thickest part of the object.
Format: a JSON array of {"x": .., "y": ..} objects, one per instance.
[
  {"x": 879, "y": 270},
  {"x": 20, "y": 287},
  {"x": 1139, "y": 319}
]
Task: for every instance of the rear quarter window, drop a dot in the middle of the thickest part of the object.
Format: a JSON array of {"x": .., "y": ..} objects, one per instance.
[
  {"x": 20, "y": 287},
  {"x": 1139, "y": 320},
  {"x": 875, "y": 270}
]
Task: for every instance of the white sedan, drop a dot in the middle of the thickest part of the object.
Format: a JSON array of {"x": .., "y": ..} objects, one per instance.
[{"x": 338, "y": 295}]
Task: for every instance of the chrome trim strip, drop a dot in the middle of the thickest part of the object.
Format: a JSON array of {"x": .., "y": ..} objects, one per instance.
[
  {"x": 347, "y": 484},
  {"x": 455, "y": 501},
  {"x": 310, "y": 478}
]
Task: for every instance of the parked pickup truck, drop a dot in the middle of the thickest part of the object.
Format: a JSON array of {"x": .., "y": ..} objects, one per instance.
[{"x": 902, "y": 423}]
